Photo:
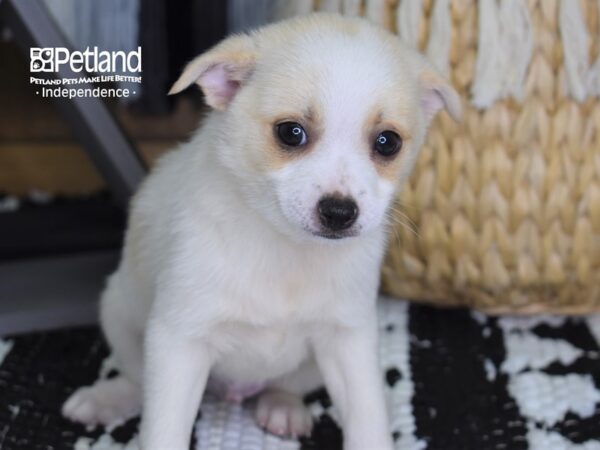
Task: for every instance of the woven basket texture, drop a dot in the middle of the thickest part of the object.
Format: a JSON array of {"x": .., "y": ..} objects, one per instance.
[{"x": 502, "y": 212}]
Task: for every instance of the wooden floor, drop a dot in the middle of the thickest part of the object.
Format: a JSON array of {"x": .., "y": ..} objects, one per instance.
[{"x": 37, "y": 147}]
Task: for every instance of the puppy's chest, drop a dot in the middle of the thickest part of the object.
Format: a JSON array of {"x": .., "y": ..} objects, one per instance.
[
  {"x": 249, "y": 352},
  {"x": 288, "y": 301},
  {"x": 257, "y": 339}
]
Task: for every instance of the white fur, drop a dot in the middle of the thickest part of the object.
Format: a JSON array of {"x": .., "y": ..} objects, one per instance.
[{"x": 222, "y": 273}]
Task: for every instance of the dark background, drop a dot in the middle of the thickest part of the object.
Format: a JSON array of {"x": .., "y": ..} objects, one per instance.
[{"x": 63, "y": 204}]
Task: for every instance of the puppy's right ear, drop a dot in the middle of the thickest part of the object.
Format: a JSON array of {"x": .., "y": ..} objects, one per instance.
[{"x": 221, "y": 71}]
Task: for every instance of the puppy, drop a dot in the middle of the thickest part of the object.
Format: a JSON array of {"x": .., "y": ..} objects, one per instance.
[{"x": 251, "y": 262}]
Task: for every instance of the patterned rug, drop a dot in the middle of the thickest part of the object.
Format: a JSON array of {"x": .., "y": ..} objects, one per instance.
[{"x": 454, "y": 379}]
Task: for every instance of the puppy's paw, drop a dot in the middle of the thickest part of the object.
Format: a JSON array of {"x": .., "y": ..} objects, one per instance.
[
  {"x": 107, "y": 402},
  {"x": 283, "y": 414}
]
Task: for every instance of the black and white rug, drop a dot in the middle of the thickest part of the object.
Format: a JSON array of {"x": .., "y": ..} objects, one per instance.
[{"x": 455, "y": 380}]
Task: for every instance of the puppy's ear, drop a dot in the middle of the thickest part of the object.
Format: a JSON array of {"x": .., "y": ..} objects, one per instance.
[
  {"x": 220, "y": 71},
  {"x": 438, "y": 94}
]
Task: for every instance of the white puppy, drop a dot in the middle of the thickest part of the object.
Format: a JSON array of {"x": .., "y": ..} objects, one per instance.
[{"x": 253, "y": 251}]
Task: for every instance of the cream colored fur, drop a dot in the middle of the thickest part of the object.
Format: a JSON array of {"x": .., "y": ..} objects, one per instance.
[{"x": 223, "y": 272}]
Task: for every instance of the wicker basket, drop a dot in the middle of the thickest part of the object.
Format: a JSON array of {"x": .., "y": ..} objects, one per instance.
[{"x": 503, "y": 210}]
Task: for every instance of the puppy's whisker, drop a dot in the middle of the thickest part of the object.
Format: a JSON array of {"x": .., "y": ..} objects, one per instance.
[
  {"x": 401, "y": 213},
  {"x": 395, "y": 220},
  {"x": 395, "y": 234},
  {"x": 400, "y": 218},
  {"x": 406, "y": 206}
]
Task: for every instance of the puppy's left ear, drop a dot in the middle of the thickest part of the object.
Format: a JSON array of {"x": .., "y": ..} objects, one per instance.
[
  {"x": 221, "y": 71},
  {"x": 438, "y": 94}
]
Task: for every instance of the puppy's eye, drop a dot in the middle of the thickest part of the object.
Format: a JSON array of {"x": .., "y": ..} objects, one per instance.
[
  {"x": 388, "y": 143},
  {"x": 291, "y": 134}
]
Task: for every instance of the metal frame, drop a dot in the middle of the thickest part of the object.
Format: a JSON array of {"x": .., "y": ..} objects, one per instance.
[{"x": 103, "y": 139}]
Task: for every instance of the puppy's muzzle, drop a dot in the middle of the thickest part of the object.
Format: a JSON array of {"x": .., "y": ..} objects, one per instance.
[{"x": 337, "y": 214}]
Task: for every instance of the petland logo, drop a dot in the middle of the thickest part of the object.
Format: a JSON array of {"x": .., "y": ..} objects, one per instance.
[
  {"x": 91, "y": 60},
  {"x": 121, "y": 69}
]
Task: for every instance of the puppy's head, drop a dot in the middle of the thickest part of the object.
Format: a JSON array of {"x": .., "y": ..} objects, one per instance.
[{"x": 321, "y": 119}]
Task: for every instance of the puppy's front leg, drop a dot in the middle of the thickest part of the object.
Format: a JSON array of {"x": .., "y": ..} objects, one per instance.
[
  {"x": 348, "y": 361},
  {"x": 175, "y": 373}
]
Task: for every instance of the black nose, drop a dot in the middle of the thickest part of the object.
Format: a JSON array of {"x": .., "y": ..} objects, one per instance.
[{"x": 337, "y": 213}]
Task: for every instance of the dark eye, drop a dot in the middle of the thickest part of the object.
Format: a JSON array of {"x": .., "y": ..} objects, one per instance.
[
  {"x": 388, "y": 143},
  {"x": 291, "y": 134}
]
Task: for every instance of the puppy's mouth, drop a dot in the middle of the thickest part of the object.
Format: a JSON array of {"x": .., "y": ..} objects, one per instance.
[{"x": 335, "y": 235}]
